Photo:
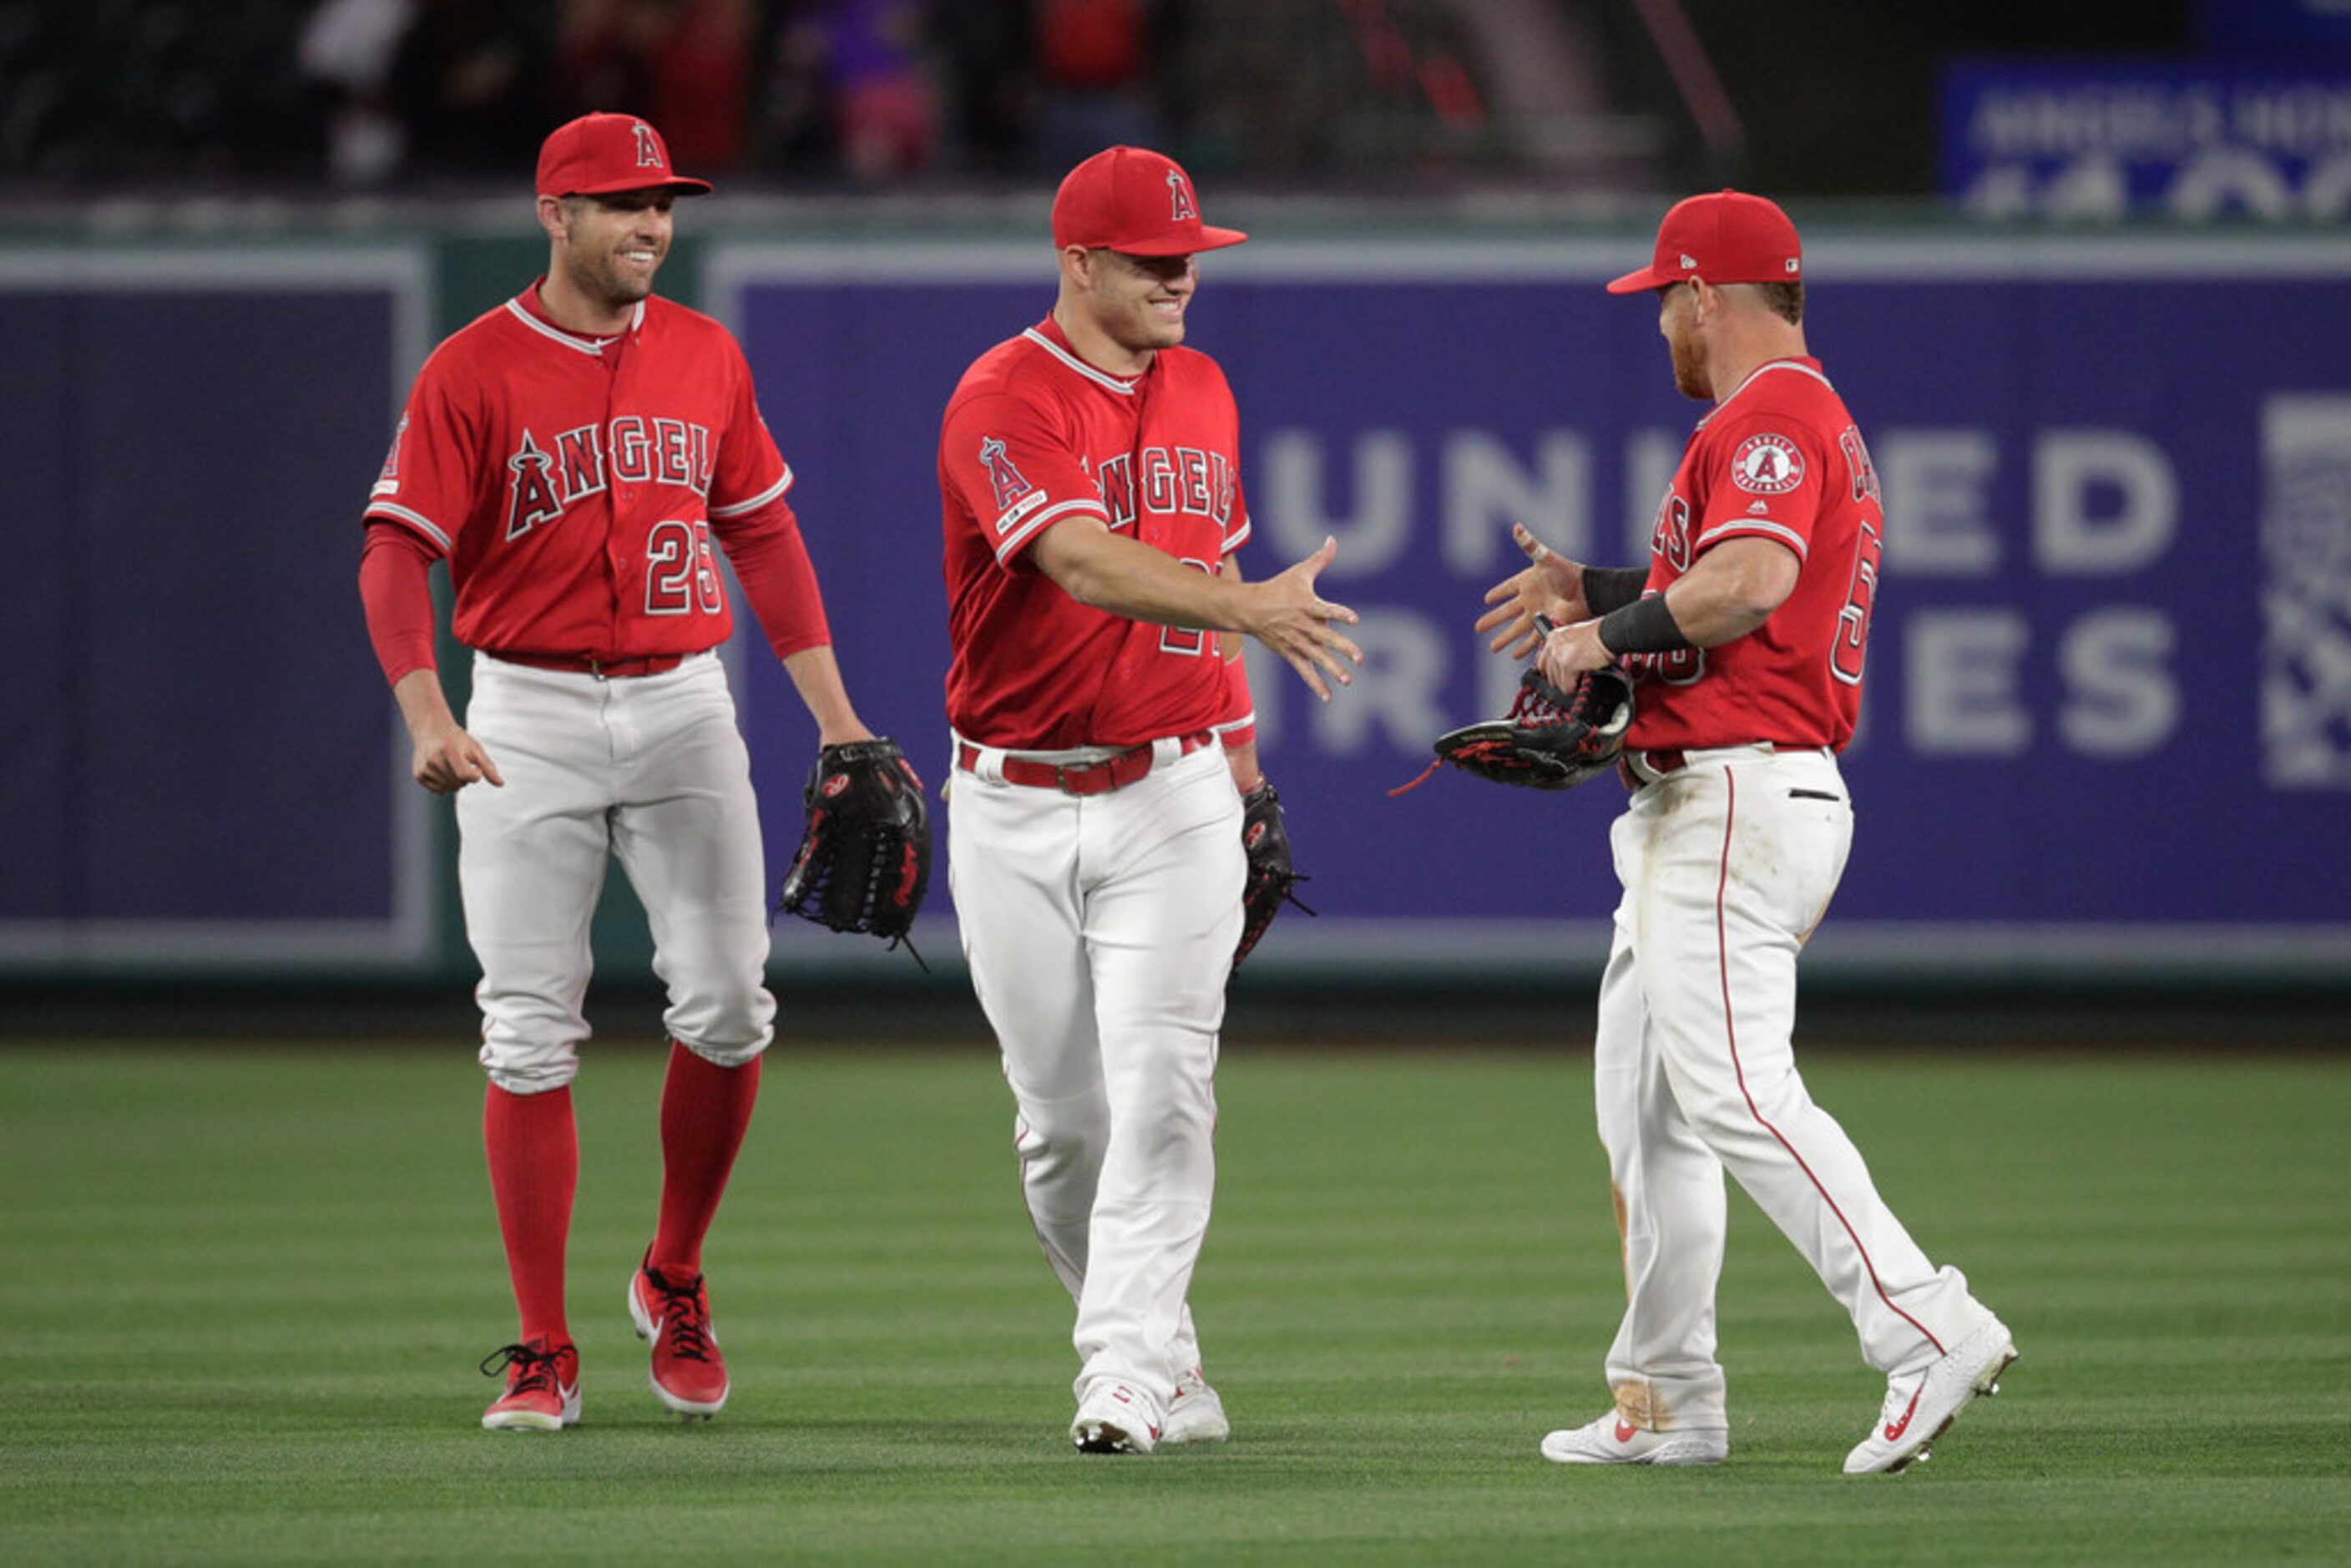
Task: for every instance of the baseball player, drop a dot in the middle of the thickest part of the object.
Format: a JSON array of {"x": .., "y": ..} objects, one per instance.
[
  {"x": 569, "y": 455},
  {"x": 1745, "y": 634},
  {"x": 1103, "y": 737}
]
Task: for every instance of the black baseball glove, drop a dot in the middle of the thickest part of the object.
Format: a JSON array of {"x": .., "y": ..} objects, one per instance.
[
  {"x": 1551, "y": 739},
  {"x": 864, "y": 861},
  {"x": 1271, "y": 879}
]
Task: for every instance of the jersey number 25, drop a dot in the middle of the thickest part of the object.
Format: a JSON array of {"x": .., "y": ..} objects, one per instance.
[{"x": 680, "y": 577}]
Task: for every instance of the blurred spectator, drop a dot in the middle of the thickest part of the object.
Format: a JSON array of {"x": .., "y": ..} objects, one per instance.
[
  {"x": 346, "y": 54},
  {"x": 846, "y": 83},
  {"x": 470, "y": 83},
  {"x": 682, "y": 64},
  {"x": 1094, "y": 62},
  {"x": 883, "y": 99},
  {"x": 988, "y": 68}
]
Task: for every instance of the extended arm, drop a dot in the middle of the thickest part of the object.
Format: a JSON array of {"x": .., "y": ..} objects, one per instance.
[
  {"x": 1098, "y": 568},
  {"x": 1732, "y": 589}
]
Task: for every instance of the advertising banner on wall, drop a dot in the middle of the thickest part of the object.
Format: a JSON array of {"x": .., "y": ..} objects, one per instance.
[
  {"x": 2267, "y": 139},
  {"x": 2107, "y": 710},
  {"x": 2107, "y": 705}
]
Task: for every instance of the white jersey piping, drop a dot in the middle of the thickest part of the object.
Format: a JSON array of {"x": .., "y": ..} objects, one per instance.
[
  {"x": 1099, "y": 378},
  {"x": 738, "y": 509},
  {"x": 1758, "y": 371},
  {"x": 416, "y": 520}
]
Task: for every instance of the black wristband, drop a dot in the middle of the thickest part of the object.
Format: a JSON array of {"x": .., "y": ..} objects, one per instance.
[
  {"x": 1607, "y": 588},
  {"x": 1643, "y": 626}
]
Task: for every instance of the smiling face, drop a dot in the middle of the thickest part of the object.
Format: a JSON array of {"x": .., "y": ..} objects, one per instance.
[
  {"x": 1138, "y": 301},
  {"x": 609, "y": 247}
]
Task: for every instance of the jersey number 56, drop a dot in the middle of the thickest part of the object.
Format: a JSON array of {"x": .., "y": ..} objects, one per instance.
[{"x": 1860, "y": 595}]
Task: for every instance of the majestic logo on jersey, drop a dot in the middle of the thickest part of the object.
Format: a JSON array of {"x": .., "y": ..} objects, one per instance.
[
  {"x": 546, "y": 481},
  {"x": 1766, "y": 464},
  {"x": 648, "y": 150},
  {"x": 1181, "y": 207}
]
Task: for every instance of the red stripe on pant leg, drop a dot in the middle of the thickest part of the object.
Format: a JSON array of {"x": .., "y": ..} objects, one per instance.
[{"x": 1730, "y": 1034}]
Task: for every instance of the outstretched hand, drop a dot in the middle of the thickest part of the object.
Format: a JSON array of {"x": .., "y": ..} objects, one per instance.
[
  {"x": 1288, "y": 616},
  {"x": 1550, "y": 585}
]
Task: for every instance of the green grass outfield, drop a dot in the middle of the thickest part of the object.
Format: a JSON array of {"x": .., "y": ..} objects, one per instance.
[{"x": 246, "y": 1292}]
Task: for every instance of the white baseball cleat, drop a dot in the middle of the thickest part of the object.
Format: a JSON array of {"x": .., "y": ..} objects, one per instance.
[
  {"x": 1613, "y": 1440},
  {"x": 1115, "y": 1418},
  {"x": 1196, "y": 1415},
  {"x": 1921, "y": 1407}
]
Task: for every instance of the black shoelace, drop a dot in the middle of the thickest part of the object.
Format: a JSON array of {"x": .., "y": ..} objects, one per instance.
[
  {"x": 536, "y": 1374},
  {"x": 682, "y": 1316}
]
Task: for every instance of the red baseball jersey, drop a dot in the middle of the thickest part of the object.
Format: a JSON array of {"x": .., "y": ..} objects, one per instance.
[
  {"x": 1779, "y": 459},
  {"x": 572, "y": 482},
  {"x": 1033, "y": 435}
]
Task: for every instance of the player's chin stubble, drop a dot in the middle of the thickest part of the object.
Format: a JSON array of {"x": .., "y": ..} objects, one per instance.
[
  {"x": 612, "y": 283},
  {"x": 1689, "y": 370}
]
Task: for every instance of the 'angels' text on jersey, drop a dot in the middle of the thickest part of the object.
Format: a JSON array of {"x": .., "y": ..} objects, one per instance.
[
  {"x": 544, "y": 481},
  {"x": 1178, "y": 479}
]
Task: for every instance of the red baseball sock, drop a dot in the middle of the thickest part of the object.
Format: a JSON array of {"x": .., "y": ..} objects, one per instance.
[
  {"x": 534, "y": 1149},
  {"x": 704, "y": 1110}
]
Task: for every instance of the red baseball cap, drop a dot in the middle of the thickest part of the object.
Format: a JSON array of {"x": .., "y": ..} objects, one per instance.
[
  {"x": 1727, "y": 237},
  {"x": 598, "y": 155},
  {"x": 1133, "y": 200}
]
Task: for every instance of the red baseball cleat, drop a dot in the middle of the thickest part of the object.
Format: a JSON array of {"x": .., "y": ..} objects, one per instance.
[
  {"x": 542, "y": 1387},
  {"x": 688, "y": 1375}
]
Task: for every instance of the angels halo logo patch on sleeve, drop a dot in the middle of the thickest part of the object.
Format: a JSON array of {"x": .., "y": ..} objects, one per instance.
[{"x": 1767, "y": 466}]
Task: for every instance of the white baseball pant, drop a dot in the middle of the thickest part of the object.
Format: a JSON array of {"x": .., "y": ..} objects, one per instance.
[
  {"x": 649, "y": 769},
  {"x": 1727, "y": 866},
  {"x": 1099, "y": 931}
]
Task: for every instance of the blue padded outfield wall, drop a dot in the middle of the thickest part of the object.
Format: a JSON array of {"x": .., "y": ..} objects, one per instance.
[{"x": 2108, "y": 723}]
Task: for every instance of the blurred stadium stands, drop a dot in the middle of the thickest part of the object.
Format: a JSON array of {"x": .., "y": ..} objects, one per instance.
[{"x": 305, "y": 97}]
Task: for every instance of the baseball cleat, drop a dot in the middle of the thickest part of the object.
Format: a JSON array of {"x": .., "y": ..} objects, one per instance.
[
  {"x": 688, "y": 1373},
  {"x": 1612, "y": 1440},
  {"x": 1196, "y": 1415},
  {"x": 1115, "y": 1418},
  {"x": 1921, "y": 1407},
  {"x": 542, "y": 1387}
]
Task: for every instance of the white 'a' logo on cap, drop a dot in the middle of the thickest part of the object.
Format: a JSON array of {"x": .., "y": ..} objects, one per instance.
[
  {"x": 1179, "y": 200},
  {"x": 648, "y": 150},
  {"x": 1688, "y": 260}
]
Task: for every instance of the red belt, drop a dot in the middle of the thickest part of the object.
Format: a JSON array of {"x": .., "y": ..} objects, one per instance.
[
  {"x": 1080, "y": 778},
  {"x": 603, "y": 669}
]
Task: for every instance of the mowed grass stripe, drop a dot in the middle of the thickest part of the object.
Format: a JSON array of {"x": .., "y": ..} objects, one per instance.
[{"x": 247, "y": 1290}]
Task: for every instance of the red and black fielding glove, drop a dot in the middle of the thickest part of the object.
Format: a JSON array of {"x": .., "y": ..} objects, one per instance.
[
  {"x": 1551, "y": 739},
  {"x": 1271, "y": 877},
  {"x": 864, "y": 861}
]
